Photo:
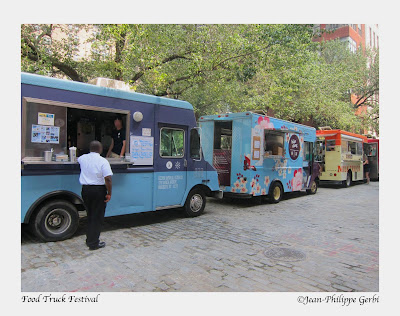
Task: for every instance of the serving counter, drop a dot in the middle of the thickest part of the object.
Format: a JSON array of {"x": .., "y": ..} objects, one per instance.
[{"x": 37, "y": 166}]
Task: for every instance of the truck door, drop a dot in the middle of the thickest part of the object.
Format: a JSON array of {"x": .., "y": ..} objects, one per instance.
[
  {"x": 222, "y": 152},
  {"x": 308, "y": 162},
  {"x": 171, "y": 175}
]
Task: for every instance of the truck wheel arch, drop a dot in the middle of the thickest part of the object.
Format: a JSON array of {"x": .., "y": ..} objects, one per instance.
[{"x": 54, "y": 195}]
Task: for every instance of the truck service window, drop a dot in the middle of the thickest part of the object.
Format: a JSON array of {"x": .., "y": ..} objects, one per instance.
[
  {"x": 352, "y": 148},
  {"x": 172, "y": 143},
  {"x": 345, "y": 147},
  {"x": 359, "y": 149},
  {"x": 273, "y": 144},
  {"x": 69, "y": 125}
]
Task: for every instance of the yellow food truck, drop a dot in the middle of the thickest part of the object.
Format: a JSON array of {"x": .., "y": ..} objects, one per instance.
[{"x": 340, "y": 155}]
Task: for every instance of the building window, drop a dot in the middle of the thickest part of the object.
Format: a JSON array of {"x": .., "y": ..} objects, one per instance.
[
  {"x": 370, "y": 37},
  {"x": 352, "y": 44},
  {"x": 332, "y": 27},
  {"x": 374, "y": 40}
]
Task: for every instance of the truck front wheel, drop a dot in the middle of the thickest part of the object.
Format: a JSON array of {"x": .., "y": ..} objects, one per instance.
[
  {"x": 195, "y": 203},
  {"x": 56, "y": 220},
  {"x": 275, "y": 192}
]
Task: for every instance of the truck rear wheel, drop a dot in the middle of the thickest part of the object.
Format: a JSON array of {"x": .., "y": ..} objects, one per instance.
[
  {"x": 56, "y": 220},
  {"x": 195, "y": 203},
  {"x": 275, "y": 192}
]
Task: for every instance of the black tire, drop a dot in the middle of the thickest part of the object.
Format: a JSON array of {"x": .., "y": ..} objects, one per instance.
[
  {"x": 346, "y": 183},
  {"x": 195, "y": 203},
  {"x": 313, "y": 188},
  {"x": 275, "y": 192},
  {"x": 56, "y": 220}
]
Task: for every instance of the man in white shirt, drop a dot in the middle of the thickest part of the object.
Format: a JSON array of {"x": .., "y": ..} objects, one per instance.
[{"x": 95, "y": 179}]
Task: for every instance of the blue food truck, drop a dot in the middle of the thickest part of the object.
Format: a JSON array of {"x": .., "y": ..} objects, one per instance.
[
  {"x": 260, "y": 156},
  {"x": 163, "y": 165}
]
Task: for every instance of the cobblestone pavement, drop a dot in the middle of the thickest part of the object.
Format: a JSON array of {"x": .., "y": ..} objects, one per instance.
[{"x": 323, "y": 242}]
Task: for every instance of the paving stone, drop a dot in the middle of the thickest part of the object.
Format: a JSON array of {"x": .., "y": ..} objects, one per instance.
[{"x": 223, "y": 250}]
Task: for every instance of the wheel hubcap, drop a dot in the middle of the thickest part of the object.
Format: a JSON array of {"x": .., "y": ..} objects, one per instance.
[
  {"x": 277, "y": 193},
  {"x": 196, "y": 202},
  {"x": 314, "y": 187},
  {"x": 57, "y": 221}
]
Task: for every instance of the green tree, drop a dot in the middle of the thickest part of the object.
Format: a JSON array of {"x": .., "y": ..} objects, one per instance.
[{"x": 217, "y": 68}]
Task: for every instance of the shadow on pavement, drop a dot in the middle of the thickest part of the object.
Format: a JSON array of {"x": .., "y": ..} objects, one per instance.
[{"x": 114, "y": 223}]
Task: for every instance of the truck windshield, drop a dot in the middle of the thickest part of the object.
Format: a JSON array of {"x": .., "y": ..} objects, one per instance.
[{"x": 371, "y": 150}]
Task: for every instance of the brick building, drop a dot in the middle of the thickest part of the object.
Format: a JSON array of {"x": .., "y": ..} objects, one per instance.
[{"x": 357, "y": 36}]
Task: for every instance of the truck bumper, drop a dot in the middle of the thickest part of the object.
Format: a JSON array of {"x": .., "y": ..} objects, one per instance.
[{"x": 218, "y": 194}]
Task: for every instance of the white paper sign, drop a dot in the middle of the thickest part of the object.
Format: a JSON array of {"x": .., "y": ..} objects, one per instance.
[
  {"x": 45, "y": 119},
  {"x": 146, "y": 131},
  {"x": 142, "y": 149}
]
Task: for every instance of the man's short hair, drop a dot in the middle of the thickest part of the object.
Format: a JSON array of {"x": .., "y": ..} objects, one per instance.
[
  {"x": 95, "y": 146},
  {"x": 118, "y": 117}
]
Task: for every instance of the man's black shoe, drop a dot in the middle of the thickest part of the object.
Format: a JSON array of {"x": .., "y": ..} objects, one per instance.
[{"x": 101, "y": 244}]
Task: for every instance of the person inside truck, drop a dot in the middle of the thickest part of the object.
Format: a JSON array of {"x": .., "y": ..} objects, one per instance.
[{"x": 118, "y": 142}]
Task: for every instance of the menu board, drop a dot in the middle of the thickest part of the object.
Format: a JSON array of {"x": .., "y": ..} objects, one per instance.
[
  {"x": 256, "y": 147},
  {"x": 45, "y": 134},
  {"x": 142, "y": 148}
]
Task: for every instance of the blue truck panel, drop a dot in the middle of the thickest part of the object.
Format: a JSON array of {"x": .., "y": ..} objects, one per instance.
[
  {"x": 291, "y": 165},
  {"x": 136, "y": 188}
]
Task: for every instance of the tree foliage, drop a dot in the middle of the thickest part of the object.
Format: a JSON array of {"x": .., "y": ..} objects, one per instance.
[{"x": 217, "y": 68}]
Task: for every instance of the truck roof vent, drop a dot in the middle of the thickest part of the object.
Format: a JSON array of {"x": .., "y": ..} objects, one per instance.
[
  {"x": 110, "y": 83},
  {"x": 262, "y": 112}
]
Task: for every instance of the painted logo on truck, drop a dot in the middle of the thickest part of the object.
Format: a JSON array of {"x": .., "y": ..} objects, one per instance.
[{"x": 294, "y": 147}]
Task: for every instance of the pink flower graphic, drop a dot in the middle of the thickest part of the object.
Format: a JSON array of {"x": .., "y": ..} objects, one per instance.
[
  {"x": 265, "y": 123},
  {"x": 297, "y": 181},
  {"x": 266, "y": 181}
]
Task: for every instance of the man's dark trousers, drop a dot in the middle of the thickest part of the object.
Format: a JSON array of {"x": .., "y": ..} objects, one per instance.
[{"x": 93, "y": 197}]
